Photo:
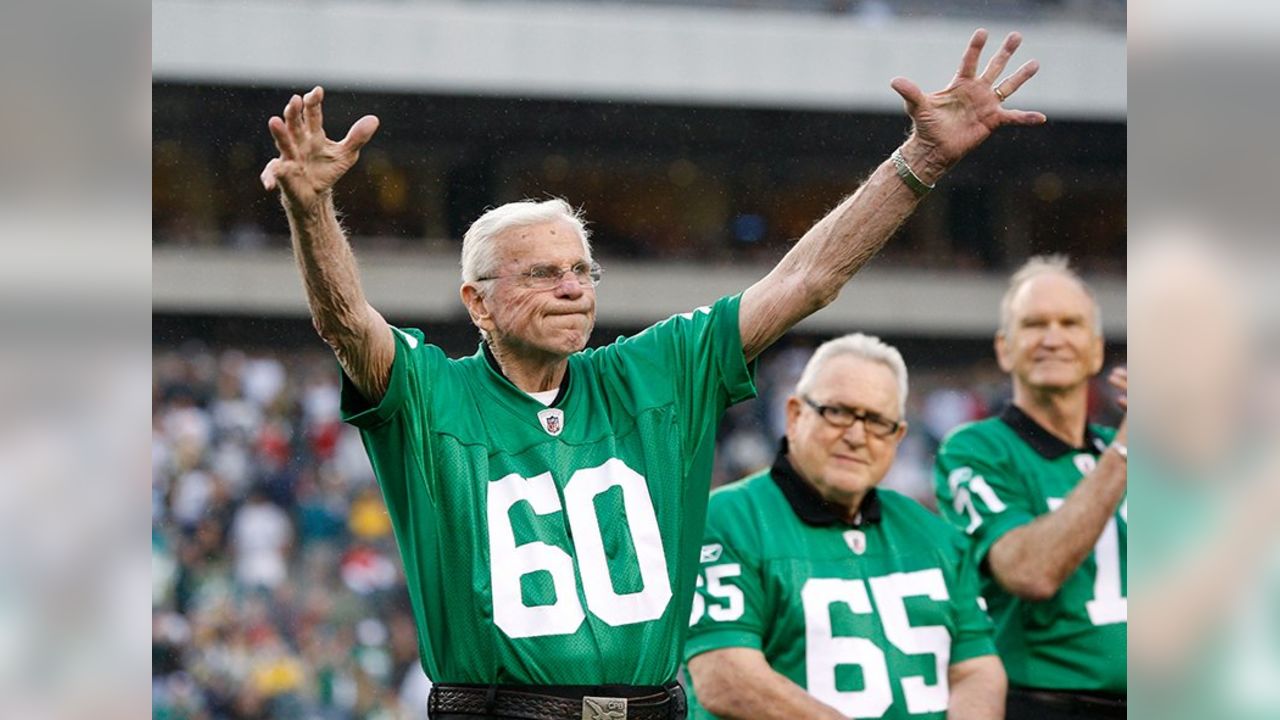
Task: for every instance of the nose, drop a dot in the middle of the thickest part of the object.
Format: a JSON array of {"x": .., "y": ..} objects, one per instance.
[
  {"x": 856, "y": 434},
  {"x": 569, "y": 285},
  {"x": 1053, "y": 335}
]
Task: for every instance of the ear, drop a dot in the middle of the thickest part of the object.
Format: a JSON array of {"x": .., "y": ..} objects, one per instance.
[
  {"x": 1004, "y": 355},
  {"x": 1098, "y": 353},
  {"x": 794, "y": 406},
  {"x": 900, "y": 433},
  {"x": 473, "y": 299}
]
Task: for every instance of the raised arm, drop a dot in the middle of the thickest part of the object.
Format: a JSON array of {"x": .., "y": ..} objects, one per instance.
[
  {"x": 738, "y": 684},
  {"x": 305, "y": 172},
  {"x": 948, "y": 124},
  {"x": 1033, "y": 561}
]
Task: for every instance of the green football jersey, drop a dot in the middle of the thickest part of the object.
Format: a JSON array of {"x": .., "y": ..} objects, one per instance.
[
  {"x": 1003, "y": 472},
  {"x": 555, "y": 545},
  {"x": 866, "y": 617}
]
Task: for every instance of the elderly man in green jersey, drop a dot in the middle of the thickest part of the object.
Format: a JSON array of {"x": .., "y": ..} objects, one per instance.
[
  {"x": 822, "y": 596},
  {"x": 548, "y": 499},
  {"x": 1041, "y": 493}
]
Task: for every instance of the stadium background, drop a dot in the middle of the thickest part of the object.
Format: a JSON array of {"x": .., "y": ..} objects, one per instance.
[{"x": 700, "y": 140}]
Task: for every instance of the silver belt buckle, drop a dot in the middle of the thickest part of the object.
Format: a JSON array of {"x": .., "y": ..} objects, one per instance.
[{"x": 604, "y": 708}]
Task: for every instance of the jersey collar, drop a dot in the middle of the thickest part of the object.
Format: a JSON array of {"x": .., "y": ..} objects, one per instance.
[
  {"x": 812, "y": 507},
  {"x": 1046, "y": 444},
  {"x": 493, "y": 365}
]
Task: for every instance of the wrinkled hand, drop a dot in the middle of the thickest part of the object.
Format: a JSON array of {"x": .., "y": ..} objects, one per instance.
[
  {"x": 310, "y": 163},
  {"x": 1119, "y": 379},
  {"x": 958, "y": 118}
]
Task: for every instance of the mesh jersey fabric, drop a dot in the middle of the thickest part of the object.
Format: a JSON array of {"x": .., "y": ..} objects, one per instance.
[
  {"x": 566, "y": 557},
  {"x": 990, "y": 480},
  {"x": 811, "y": 598}
]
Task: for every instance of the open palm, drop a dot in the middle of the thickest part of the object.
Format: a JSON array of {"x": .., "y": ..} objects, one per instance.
[
  {"x": 310, "y": 163},
  {"x": 958, "y": 118}
]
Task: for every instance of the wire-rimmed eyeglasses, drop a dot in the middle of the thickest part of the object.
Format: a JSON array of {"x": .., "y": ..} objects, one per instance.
[{"x": 545, "y": 277}]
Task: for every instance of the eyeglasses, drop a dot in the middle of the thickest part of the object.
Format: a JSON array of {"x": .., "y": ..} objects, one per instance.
[
  {"x": 545, "y": 277},
  {"x": 843, "y": 417}
]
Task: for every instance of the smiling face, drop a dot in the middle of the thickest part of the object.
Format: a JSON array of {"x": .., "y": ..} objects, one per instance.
[
  {"x": 554, "y": 322},
  {"x": 844, "y": 463},
  {"x": 1051, "y": 342}
]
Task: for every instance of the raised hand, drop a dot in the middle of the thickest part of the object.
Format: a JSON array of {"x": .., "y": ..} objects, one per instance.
[
  {"x": 958, "y": 118},
  {"x": 1119, "y": 379},
  {"x": 310, "y": 163}
]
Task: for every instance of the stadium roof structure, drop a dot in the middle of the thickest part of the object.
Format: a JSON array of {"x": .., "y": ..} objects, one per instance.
[{"x": 593, "y": 51}]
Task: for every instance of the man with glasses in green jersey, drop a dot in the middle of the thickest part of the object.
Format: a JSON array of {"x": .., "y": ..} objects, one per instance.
[
  {"x": 822, "y": 596},
  {"x": 1042, "y": 494},
  {"x": 548, "y": 499}
]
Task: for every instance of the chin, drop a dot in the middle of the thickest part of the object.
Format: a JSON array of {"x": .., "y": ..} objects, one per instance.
[
  {"x": 573, "y": 344},
  {"x": 846, "y": 486},
  {"x": 1057, "y": 383}
]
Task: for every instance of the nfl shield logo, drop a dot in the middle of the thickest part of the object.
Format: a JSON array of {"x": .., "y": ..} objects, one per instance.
[
  {"x": 552, "y": 420},
  {"x": 710, "y": 553},
  {"x": 1085, "y": 463},
  {"x": 857, "y": 541}
]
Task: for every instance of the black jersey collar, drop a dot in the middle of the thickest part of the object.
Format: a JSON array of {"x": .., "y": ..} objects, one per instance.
[
  {"x": 1046, "y": 444},
  {"x": 493, "y": 364},
  {"x": 812, "y": 507}
]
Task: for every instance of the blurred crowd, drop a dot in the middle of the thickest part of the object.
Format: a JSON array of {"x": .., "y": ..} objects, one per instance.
[{"x": 277, "y": 588}]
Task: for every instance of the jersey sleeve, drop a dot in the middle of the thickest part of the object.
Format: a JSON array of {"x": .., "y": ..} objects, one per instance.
[
  {"x": 394, "y": 427},
  {"x": 693, "y": 358},
  {"x": 974, "y": 633},
  {"x": 978, "y": 493},
  {"x": 729, "y": 604},
  {"x": 406, "y": 379}
]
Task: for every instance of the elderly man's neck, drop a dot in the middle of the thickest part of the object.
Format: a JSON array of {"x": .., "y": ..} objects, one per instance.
[
  {"x": 848, "y": 505},
  {"x": 530, "y": 370},
  {"x": 1063, "y": 412}
]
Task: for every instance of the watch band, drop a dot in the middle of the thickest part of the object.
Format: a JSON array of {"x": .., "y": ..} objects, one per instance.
[{"x": 908, "y": 175}]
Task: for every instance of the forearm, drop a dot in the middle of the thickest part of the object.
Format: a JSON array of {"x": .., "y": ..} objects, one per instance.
[
  {"x": 840, "y": 244},
  {"x": 773, "y": 698},
  {"x": 813, "y": 272},
  {"x": 731, "y": 689},
  {"x": 342, "y": 316},
  {"x": 977, "y": 693},
  {"x": 1034, "y": 560},
  {"x": 328, "y": 266}
]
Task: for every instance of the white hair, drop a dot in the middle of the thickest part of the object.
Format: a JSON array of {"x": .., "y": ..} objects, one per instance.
[
  {"x": 479, "y": 251},
  {"x": 1034, "y": 268},
  {"x": 867, "y": 347}
]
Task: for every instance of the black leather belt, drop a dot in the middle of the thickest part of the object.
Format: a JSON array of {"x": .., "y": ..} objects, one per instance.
[
  {"x": 535, "y": 702},
  {"x": 1098, "y": 702}
]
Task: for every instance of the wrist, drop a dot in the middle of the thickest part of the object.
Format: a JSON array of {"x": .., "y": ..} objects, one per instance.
[
  {"x": 924, "y": 159},
  {"x": 309, "y": 210},
  {"x": 1120, "y": 449}
]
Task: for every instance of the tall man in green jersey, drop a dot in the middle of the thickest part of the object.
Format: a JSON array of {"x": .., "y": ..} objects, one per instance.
[
  {"x": 548, "y": 500},
  {"x": 822, "y": 596},
  {"x": 1041, "y": 493}
]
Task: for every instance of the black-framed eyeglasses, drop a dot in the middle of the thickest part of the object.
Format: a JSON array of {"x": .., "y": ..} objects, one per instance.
[
  {"x": 844, "y": 417},
  {"x": 545, "y": 277}
]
